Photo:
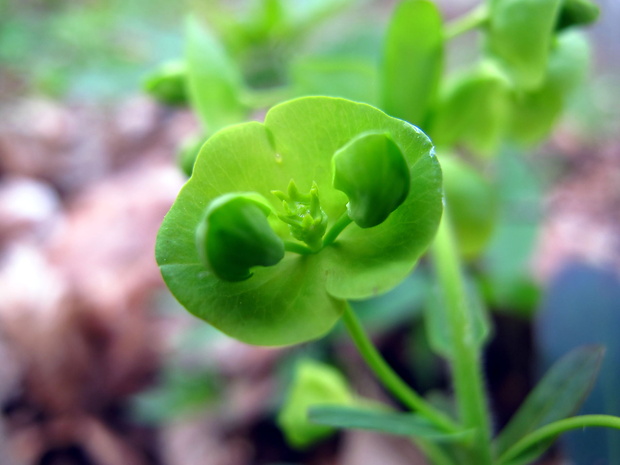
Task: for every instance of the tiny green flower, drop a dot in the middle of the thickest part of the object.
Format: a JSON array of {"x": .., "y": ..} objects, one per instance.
[
  {"x": 236, "y": 236},
  {"x": 307, "y": 222},
  {"x": 241, "y": 283}
]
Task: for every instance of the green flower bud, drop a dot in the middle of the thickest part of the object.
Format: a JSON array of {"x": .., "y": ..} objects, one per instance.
[
  {"x": 314, "y": 384},
  {"x": 167, "y": 84},
  {"x": 577, "y": 13},
  {"x": 235, "y": 236},
  {"x": 373, "y": 172}
]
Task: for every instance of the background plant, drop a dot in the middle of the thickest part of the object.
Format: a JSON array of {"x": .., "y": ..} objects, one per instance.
[{"x": 515, "y": 94}]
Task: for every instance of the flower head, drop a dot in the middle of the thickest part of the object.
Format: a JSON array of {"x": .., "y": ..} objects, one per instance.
[{"x": 276, "y": 299}]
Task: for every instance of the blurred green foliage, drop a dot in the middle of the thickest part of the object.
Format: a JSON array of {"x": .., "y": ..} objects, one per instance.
[{"x": 89, "y": 50}]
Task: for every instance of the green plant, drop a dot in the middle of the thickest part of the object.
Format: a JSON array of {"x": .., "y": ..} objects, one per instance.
[{"x": 282, "y": 223}]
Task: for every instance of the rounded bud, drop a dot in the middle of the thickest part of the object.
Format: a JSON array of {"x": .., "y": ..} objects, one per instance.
[
  {"x": 314, "y": 383},
  {"x": 372, "y": 171},
  {"x": 235, "y": 236},
  {"x": 167, "y": 84}
]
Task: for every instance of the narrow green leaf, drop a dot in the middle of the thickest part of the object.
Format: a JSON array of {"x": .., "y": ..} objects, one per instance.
[
  {"x": 531, "y": 454},
  {"x": 557, "y": 395},
  {"x": 519, "y": 37},
  {"x": 527, "y": 446},
  {"x": 413, "y": 59},
  {"x": 214, "y": 82},
  {"x": 400, "y": 424}
]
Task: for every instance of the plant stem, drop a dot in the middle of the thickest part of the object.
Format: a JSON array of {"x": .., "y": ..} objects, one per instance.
[
  {"x": 433, "y": 452},
  {"x": 554, "y": 429},
  {"x": 466, "y": 363},
  {"x": 475, "y": 18},
  {"x": 336, "y": 229},
  {"x": 389, "y": 378},
  {"x": 296, "y": 247}
]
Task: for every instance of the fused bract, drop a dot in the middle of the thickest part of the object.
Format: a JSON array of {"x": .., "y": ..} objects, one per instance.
[{"x": 302, "y": 295}]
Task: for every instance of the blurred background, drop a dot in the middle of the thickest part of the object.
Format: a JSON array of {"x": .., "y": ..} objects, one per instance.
[{"x": 100, "y": 365}]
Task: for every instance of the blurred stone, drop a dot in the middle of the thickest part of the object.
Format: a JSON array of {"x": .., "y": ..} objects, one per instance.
[
  {"x": 73, "y": 146},
  {"x": 28, "y": 208},
  {"x": 582, "y": 220},
  {"x": 202, "y": 442},
  {"x": 105, "y": 248}
]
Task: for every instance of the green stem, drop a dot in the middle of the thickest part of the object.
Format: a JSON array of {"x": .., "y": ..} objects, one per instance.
[
  {"x": 434, "y": 452},
  {"x": 554, "y": 429},
  {"x": 475, "y": 18},
  {"x": 465, "y": 361},
  {"x": 296, "y": 247},
  {"x": 390, "y": 379},
  {"x": 336, "y": 229}
]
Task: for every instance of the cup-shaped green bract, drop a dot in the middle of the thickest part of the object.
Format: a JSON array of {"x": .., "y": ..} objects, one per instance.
[
  {"x": 519, "y": 37},
  {"x": 535, "y": 113},
  {"x": 373, "y": 172},
  {"x": 303, "y": 295},
  {"x": 473, "y": 110},
  {"x": 472, "y": 205},
  {"x": 235, "y": 236}
]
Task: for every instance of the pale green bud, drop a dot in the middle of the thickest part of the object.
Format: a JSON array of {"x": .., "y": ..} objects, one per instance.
[
  {"x": 314, "y": 384},
  {"x": 168, "y": 84}
]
